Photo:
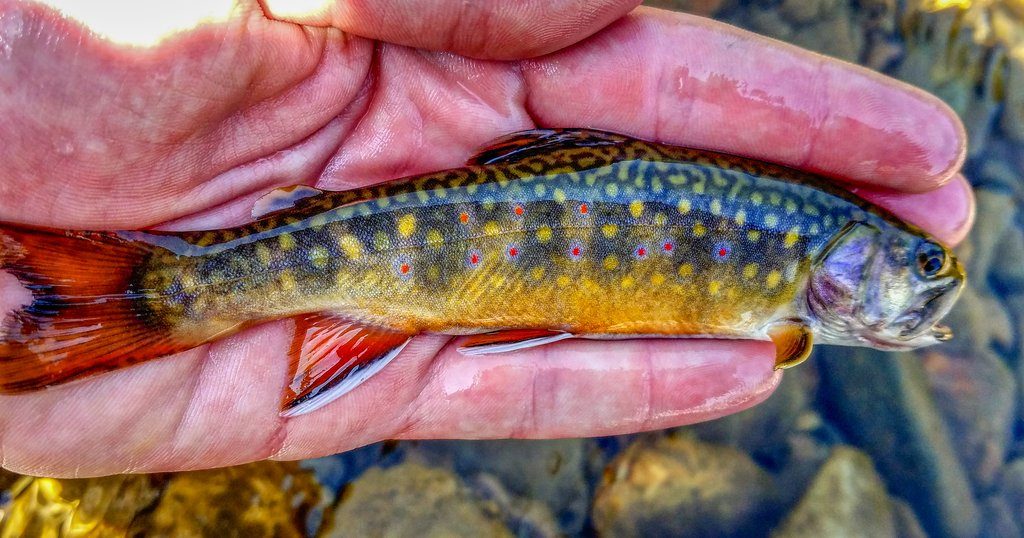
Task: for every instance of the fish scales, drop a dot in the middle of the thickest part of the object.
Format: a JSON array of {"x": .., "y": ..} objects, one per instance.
[
  {"x": 643, "y": 240},
  {"x": 542, "y": 235}
]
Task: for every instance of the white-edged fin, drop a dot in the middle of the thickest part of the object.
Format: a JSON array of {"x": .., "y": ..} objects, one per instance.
[
  {"x": 331, "y": 355},
  {"x": 355, "y": 379},
  {"x": 510, "y": 340},
  {"x": 282, "y": 198}
]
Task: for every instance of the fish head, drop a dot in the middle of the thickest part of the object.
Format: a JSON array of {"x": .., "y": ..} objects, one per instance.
[{"x": 885, "y": 287}]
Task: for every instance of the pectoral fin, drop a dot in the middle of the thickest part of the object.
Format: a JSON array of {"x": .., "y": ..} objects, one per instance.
[
  {"x": 331, "y": 355},
  {"x": 793, "y": 342},
  {"x": 511, "y": 340}
]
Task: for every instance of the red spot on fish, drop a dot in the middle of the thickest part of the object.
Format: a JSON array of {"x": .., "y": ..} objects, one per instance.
[
  {"x": 722, "y": 253},
  {"x": 464, "y": 217},
  {"x": 575, "y": 250},
  {"x": 584, "y": 209},
  {"x": 404, "y": 269},
  {"x": 519, "y": 210},
  {"x": 513, "y": 252},
  {"x": 640, "y": 252},
  {"x": 668, "y": 247},
  {"x": 473, "y": 258}
]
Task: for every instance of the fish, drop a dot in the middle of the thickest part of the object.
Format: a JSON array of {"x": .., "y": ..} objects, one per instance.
[{"x": 542, "y": 236}]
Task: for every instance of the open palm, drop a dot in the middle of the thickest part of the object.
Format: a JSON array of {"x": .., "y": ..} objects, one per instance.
[{"x": 188, "y": 133}]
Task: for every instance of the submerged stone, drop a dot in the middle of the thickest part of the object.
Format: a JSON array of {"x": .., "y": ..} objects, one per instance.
[
  {"x": 847, "y": 498},
  {"x": 680, "y": 486},
  {"x": 259, "y": 499},
  {"x": 413, "y": 500},
  {"x": 884, "y": 406}
]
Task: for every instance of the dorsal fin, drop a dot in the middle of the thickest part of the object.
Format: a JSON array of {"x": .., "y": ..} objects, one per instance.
[
  {"x": 524, "y": 144},
  {"x": 282, "y": 198}
]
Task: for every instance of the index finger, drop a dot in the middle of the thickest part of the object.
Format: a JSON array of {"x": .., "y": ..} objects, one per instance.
[{"x": 691, "y": 81}]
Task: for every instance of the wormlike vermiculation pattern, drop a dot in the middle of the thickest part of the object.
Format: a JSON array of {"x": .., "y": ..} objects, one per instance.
[{"x": 623, "y": 238}]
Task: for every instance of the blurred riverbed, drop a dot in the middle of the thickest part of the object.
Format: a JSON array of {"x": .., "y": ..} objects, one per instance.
[{"x": 854, "y": 443}]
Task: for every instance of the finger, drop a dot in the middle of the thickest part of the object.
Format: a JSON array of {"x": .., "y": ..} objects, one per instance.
[
  {"x": 946, "y": 212},
  {"x": 219, "y": 405},
  {"x": 695, "y": 82},
  {"x": 571, "y": 389},
  {"x": 431, "y": 111},
  {"x": 488, "y": 29}
]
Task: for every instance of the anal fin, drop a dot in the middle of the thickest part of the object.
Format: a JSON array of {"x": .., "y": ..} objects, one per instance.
[
  {"x": 793, "y": 343},
  {"x": 510, "y": 340},
  {"x": 331, "y": 355}
]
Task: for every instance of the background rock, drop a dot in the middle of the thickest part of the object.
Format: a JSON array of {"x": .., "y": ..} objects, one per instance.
[
  {"x": 683, "y": 487},
  {"x": 847, "y": 498},
  {"x": 412, "y": 500}
]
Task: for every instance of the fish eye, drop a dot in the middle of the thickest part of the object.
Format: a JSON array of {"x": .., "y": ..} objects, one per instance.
[{"x": 931, "y": 258}]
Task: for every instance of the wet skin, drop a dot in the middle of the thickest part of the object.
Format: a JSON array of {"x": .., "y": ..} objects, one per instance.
[{"x": 188, "y": 134}]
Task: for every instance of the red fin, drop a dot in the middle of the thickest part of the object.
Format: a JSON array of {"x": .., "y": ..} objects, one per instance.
[
  {"x": 85, "y": 317},
  {"x": 527, "y": 143},
  {"x": 510, "y": 340},
  {"x": 331, "y": 355}
]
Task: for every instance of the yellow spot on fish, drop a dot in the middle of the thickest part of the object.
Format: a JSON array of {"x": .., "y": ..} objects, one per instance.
[
  {"x": 657, "y": 279},
  {"x": 497, "y": 280},
  {"x": 699, "y": 230},
  {"x": 774, "y": 198},
  {"x": 351, "y": 246},
  {"x": 741, "y": 217},
  {"x": 287, "y": 280},
  {"x": 753, "y": 235},
  {"x": 660, "y": 219},
  {"x": 559, "y": 195},
  {"x": 286, "y": 241},
  {"x": 685, "y": 206},
  {"x": 792, "y": 236},
  {"x": 407, "y": 224},
  {"x": 434, "y": 237},
  {"x": 773, "y": 279},
  {"x": 318, "y": 256},
  {"x": 590, "y": 179},
  {"x": 790, "y": 207},
  {"x": 491, "y": 228},
  {"x": 544, "y": 234},
  {"x": 537, "y": 272},
  {"x": 611, "y": 262},
  {"x": 813, "y": 229},
  {"x": 628, "y": 282},
  {"x": 750, "y": 271},
  {"x": 381, "y": 241},
  {"x": 611, "y": 189},
  {"x": 539, "y": 189},
  {"x": 609, "y": 230},
  {"x": 472, "y": 188},
  {"x": 811, "y": 210},
  {"x": 716, "y": 207},
  {"x": 263, "y": 253},
  {"x": 714, "y": 287},
  {"x": 718, "y": 180},
  {"x": 677, "y": 179},
  {"x": 434, "y": 272},
  {"x": 656, "y": 185},
  {"x": 383, "y": 202},
  {"x": 636, "y": 208},
  {"x": 699, "y": 188},
  {"x": 487, "y": 204},
  {"x": 563, "y": 281},
  {"x": 686, "y": 270},
  {"x": 771, "y": 220},
  {"x": 318, "y": 222},
  {"x": 756, "y": 198}
]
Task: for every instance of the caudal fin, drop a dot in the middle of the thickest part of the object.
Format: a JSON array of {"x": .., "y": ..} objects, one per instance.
[{"x": 86, "y": 315}]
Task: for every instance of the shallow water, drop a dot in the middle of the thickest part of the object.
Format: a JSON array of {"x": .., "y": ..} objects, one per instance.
[{"x": 854, "y": 442}]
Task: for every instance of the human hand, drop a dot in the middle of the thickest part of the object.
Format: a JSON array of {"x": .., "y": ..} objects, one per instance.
[{"x": 188, "y": 133}]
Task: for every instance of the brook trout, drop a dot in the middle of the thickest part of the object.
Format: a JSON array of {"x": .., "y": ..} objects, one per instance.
[{"x": 543, "y": 235}]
